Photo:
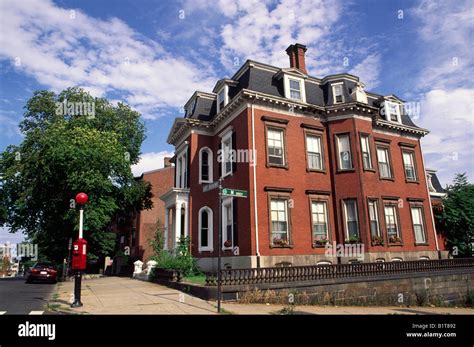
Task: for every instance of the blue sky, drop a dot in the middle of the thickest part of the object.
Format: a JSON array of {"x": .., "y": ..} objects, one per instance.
[{"x": 154, "y": 54}]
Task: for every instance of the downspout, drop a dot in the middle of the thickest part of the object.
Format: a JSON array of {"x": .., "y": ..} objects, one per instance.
[
  {"x": 431, "y": 206},
  {"x": 255, "y": 187}
]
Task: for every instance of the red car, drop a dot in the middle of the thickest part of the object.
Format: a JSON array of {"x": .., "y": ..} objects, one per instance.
[{"x": 43, "y": 272}]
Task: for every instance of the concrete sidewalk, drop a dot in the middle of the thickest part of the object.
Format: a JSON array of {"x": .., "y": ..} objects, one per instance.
[{"x": 119, "y": 295}]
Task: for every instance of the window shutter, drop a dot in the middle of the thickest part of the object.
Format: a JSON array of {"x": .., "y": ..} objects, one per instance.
[
  {"x": 234, "y": 220},
  {"x": 234, "y": 150}
]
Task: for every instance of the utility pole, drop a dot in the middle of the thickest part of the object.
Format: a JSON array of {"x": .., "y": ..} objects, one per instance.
[{"x": 219, "y": 246}]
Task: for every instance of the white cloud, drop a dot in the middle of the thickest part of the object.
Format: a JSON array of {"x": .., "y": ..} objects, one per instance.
[
  {"x": 449, "y": 115},
  {"x": 262, "y": 30},
  {"x": 368, "y": 70},
  {"x": 60, "y": 49},
  {"x": 445, "y": 79},
  {"x": 150, "y": 161}
]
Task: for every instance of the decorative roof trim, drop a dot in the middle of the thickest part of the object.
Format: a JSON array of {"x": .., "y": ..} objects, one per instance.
[{"x": 401, "y": 127}]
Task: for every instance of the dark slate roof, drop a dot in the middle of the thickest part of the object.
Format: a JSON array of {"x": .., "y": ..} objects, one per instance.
[
  {"x": 436, "y": 184},
  {"x": 268, "y": 82}
]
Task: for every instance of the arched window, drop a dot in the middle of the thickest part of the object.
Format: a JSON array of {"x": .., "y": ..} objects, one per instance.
[
  {"x": 205, "y": 229},
  {"x": 205, "y": 165}
]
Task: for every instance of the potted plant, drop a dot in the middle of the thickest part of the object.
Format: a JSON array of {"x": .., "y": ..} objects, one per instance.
[
  {"x": 228, "y": 243},
  {"x": 377, "y": 241},
  {"x": 321, "y": 242},
  {"x": 353, "y": 239},
  {"x": 280, "y": 242},
  {"x": 394, "y": 239}
]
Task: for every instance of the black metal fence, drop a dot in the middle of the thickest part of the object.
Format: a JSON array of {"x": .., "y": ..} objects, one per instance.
[{"x": 323, "y": 272}]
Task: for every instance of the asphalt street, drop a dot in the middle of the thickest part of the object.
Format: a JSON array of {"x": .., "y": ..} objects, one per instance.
[{"x": 18, "y": 297}]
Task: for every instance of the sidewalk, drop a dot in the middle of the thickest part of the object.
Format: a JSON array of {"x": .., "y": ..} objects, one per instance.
[{"x": 119, "y": 295}]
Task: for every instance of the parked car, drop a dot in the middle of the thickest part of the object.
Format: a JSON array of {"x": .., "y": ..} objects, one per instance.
[{"x": 44, "y": 272}]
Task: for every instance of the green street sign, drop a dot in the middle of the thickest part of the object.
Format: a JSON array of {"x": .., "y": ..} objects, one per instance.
[{"x": 235, "y": 192}]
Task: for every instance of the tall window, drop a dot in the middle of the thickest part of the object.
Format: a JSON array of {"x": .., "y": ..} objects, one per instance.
[
  {"x": 409, "y": 164},
  {"x": 374, "y": 218},
  {"x": 418, "y": 226},
  {"x": 205, "y": 168},
  {"x": 337, "y": 93},
  {"x": 350, "y": 214},
  {"x": 181, "y": 169},
  {"x": 384, "y": 162},
  {"x": 226, "y": 154},
  {"x": 320, "y": 220},
  {"x": 295, "y": 89},
  {"x": 365, "y": 150},
  {"x": 227, "y": 227},
  {"x": 276, "y": 149},
  {"x": 391, "y": 222},
  {"x": 205, "y": 229},
  {"x": 280, "y": 233},
  {"x": 313, "y": 147},
  {"x": 344, "y": 150},
  {"x": 221, "y": 99}
]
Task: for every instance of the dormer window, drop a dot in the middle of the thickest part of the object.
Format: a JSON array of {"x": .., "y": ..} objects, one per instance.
[
  {"x": 294, "y": 88},
  {"x": 393, "y": 111},
  {"x": 338, "y": 96},
  {"x": 221, "y": 100}
]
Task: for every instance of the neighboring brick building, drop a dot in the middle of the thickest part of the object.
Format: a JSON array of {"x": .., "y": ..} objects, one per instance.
[
  {"x": 322, "y": 160},
  {"x": 137, "y": 230}
]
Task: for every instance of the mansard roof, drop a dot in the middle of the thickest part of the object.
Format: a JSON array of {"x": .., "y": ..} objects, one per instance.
[{"x": 266, "y": 79}]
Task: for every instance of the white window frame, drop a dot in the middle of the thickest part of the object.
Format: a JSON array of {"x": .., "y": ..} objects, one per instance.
[
  {"x": 333, "y": 87},
  {"x": 287, "y": 219},
  {"x": 226, "y": 137},
  {"x": 210, "y": 230},
  {"x": 338, "y": 139},
  {"x": 374, "y": 202},
  {"x": 282, "y": 133},
  {"x": 287, "y": 79},
  {"x": 226, "y": 202},
  {"x": 387, "y": 156},
  {"x": 210, "y": 164},
  {"x": 395, "y": 218},
  {"x": 365, "y": 140},
  {"x": 422, "y": 223},
  {"x": 326, "y": 217},
  {"x": 319, "y": 143},
  {"x": 412, "y": 158},
  {"x": 345, "y": 202},
  {"x": 182, "y": 168},
  {"x": 388, "y": 114},
  {"x": 224, "y": 89}
]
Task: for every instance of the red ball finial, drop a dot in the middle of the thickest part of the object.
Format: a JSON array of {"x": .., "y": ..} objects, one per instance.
[{"x": 81, "y": 198}]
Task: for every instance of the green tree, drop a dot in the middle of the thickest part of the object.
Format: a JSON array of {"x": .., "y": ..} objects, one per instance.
[
  {"x": 457, "y": 217},
  {"x": 63, "y": 154}
]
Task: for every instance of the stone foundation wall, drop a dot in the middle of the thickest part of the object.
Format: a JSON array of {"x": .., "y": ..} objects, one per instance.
[{"x": 439, "y": 290}]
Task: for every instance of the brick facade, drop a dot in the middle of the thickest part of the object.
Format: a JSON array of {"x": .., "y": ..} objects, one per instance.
[{"x": 246, "y": 119}]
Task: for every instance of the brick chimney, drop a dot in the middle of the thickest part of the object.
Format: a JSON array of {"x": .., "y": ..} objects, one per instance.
[
  {"x": 167, "y": 161},
  {"x": 296, "y": 53}
]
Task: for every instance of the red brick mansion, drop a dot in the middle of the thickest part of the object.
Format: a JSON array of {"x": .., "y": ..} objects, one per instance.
[{"x": 323, "y": 161}]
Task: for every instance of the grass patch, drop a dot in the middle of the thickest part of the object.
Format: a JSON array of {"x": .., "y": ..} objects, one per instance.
[
  {"x": 224, "y": 311},
  {"x": 196, "y": 279}
]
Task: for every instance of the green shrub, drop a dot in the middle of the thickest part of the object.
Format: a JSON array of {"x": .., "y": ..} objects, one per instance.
[
  {"x": 180, "y": 259},
  {"x": 470, "y": 298}
]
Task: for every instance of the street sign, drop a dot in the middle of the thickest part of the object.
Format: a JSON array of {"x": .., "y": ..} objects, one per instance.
[
  {"x": 235, "y": 192},
  {"x": 210, "y": 186}
]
